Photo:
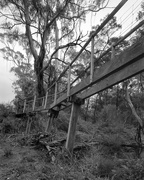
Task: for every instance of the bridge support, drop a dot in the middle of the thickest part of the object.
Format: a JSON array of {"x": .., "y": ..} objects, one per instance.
[
  {"x": 52, "y": 115},
  {"x": 28, "y": 126},
  {"x": 48, "y": 125},
  {"x": 76, "y": 104}
]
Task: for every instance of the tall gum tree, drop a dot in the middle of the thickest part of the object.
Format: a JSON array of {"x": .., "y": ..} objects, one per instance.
[{"x": 39, "y": 20}]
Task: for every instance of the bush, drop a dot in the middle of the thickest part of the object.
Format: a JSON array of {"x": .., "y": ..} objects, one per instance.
[
  {"x": 130, "y": 170},
  {"x": 8, "y": 126},
  {"x": 105, "y": 167},
  {"x": 108, "y": 113},
  {"x": 5, "y": 110},
  {"x": 7, "y": 152}
]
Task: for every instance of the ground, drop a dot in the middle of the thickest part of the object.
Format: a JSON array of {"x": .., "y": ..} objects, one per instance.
[
  {"x": 103, "y": 151},
  {"x": 20, "y": 162}
]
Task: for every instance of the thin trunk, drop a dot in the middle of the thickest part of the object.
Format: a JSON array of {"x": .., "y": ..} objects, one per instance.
[{"x": 139, "y": 120}]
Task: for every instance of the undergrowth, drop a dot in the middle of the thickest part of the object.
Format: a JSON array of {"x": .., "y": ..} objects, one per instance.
[{"x": 102, "y": 153}]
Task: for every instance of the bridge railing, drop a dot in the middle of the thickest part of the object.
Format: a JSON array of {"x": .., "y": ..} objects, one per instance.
[
  {"x": 35, "y": 103},
  {"x": 91, "y": 42},
  {"x": 44, "y": 102}
]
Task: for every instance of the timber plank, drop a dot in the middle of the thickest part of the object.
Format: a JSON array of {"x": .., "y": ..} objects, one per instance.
[
  {"x": 115, "y": 78},
  {"x": 127, "y": 57}
]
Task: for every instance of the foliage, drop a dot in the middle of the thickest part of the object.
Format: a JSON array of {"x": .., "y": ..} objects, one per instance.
[
  {"x": 6, "y": 109},
  {"x": 33, "y": 25},
  {"x": 8, "y": 126},
  {"x": 8, "y": 152},
  {"x": 105, "y": 167},
  {"x": 25, "y": 84},
  {"x": 130, "y": 169},
  {"x": 104, "y": 160}
]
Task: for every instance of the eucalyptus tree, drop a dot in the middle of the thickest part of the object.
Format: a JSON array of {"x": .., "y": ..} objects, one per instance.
[{"x": 33, "y": 25}]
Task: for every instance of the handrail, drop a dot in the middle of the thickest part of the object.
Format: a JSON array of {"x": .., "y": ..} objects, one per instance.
[
  {"x": 116, "y": 44},
  {"x": 119, "y": 6},
  {"x": 93, "y": 34}
]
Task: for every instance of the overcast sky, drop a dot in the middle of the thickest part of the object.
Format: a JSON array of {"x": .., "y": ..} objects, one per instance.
[{"x": 6, "y": 78}]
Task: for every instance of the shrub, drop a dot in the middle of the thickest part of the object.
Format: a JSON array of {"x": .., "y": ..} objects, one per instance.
[
  {"x": 8, "y": 126},
  {"x": 105, "y": 167},
  {"x": 7, "y": 152},
  {"x": 5, "y": 110},
  {"x": 130, "y": 170}
]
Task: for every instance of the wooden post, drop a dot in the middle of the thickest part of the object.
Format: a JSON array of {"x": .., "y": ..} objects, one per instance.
[
  {"x": 68, "y": 87},
  {"x": 72, "y": 126},
  {"x": 43, "y": 101},
  {"x": 24, "y": 108},
  {"x": 112, "y": 51},
  {"x": 92, "y": 60},
  {"x": 52, "y": 115},
  {"x": 55, "y": 95},
  {"x": 48, "y": 125},
  {"x": 34, "y": 101},
  {"x": 46, "y": 97}
]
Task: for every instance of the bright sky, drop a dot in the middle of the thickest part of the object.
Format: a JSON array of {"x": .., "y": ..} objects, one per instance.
[{"x": 7, "y": 78}]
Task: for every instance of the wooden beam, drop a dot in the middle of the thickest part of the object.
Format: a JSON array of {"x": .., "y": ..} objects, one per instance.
[
  {"x": 115, "y": 78},
  {"x": 129, "y": 56},
  {"x": 116, "y": 44},
  {"x": 112, "y": 51},
  {"x": 48, "y": 125},
  {"x": 33, "y": 105},
  {"x": 46, "y": 98},
  {"x": 72, "y": 127}
]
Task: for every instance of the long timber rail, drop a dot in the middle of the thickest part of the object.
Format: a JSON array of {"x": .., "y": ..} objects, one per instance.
[{"x": 119, "y": 68}]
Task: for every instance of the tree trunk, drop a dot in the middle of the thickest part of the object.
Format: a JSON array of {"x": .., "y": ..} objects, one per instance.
[
  {"x": 39, "y": 77},
  {"x": 139, "y": 120}
]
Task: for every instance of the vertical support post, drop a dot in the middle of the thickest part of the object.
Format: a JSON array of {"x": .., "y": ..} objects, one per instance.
[
  {"x": 46, "y": 97},
  {"x": 52, "y": 115},
  {"x": 72, "y": 127},
  {"x": 55, "y": 96},
  {"x": 48, "y": 125},
  {"x": 112, "y": 51},
  {"x": 24, "y": 108},
  {"x": 34, "y": 101},
  {"x": 92, "y": 60},
  {"x": 43, "y": 101},
  {"x": 56, "y": 61},
  {"x": 68, "y": 87}
]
